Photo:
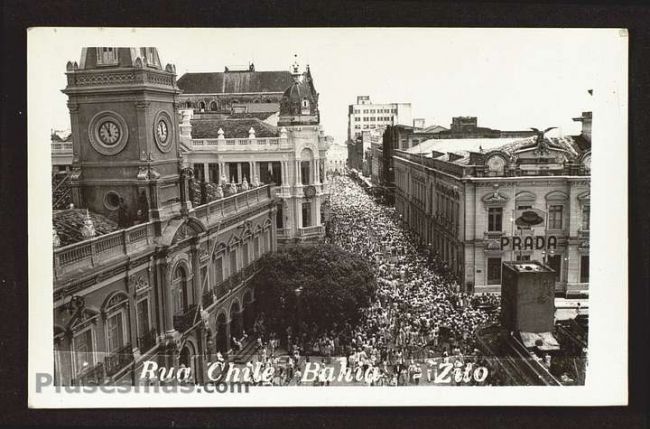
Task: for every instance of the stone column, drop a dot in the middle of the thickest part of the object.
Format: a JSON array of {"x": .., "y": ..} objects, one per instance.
[
  {"x": 317, "y": 212},
  {"x": 168, "y": 300},
  {"x": 196, "y": 274},
  {"x": 298, "y": 173},
  {"x": 206, "y": 172},
  {"x": 239, "y": 172},
  {"x": 222, "y": 170},
  {"x": 133, "y": 317}
]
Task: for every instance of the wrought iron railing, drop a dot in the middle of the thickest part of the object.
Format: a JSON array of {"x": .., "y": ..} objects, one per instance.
[
  {"x": 222, "y": 289},
  {"x": 185, "y": 320},
  {"x": 93, "y": 376},
  {"x": 147, "y": 341},
  {"x": 118, "y": 360},
  {"x": 208, "y": 298}
]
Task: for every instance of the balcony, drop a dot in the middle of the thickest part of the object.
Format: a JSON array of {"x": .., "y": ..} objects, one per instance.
[
  {"x": 208, "y": 299},
  {"x": 239, "y": 145},
  {"x": 185, "y": 320},
  {"x": 92, "y": 377},
  {"x": 222, "y": 289},
  {"x": 311, "y": 231},
  {"x": 251, "y": 270},
  {"x": 147, "y": 341},
  {"x": 99, "y": 249},
  {"x": 62, "y": 148},
  {"x": 492, "y": 235},
  {"x": 118, "y": 360},
  {"x": 95, "y": 251}
]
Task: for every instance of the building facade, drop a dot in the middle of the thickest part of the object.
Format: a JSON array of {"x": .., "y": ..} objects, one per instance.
[
  {"x": 291, "y": 156},
  {"x": 140, "y": 272},
  {"x": 336, "y": 158},
  {"x": 366, "y": 116},
  {"x": 480, "y": 202},
  {"x": 236, "y": 90}
]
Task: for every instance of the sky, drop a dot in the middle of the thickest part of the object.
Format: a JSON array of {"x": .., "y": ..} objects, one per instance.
[{"x": 508, "y": 78}]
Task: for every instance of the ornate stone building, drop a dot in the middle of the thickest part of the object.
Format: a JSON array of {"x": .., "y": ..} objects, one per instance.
[
  {"x": 480, "y": 202},
  {"x": 291, "y": 156},
  {"x": 142, "y": 273}
]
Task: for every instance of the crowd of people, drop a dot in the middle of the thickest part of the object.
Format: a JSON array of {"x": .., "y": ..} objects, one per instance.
[{"x": 420, "y": 316}]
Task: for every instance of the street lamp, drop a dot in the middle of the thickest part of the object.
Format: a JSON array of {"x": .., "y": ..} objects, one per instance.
[{"x": 298, "y": 292}]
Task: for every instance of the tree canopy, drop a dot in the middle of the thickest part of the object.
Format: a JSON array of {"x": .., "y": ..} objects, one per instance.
[{"x": 322, "y": 285}]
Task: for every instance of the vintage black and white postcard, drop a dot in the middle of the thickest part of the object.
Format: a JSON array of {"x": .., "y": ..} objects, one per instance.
[{"x": 328, "y": 216}]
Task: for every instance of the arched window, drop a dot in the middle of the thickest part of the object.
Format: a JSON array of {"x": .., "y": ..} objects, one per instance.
[
  {"x": 188, "y": 104},
  {"x": 305, "y": 106},
  {"x": 179, "y": 290},
  {"x": 202, "y": 106},
  {"x": 213, "y": 106}
]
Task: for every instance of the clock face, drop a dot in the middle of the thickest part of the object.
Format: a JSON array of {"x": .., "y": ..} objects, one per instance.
[
  {"x": 109, "y": 133},
  {"x": 162, "y": 131},
  {"x": 310, "y": 191},
  {"x": 496, "y": 163}
]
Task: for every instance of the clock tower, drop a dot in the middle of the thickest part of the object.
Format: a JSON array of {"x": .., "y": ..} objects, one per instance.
[{"x": 125, "y": 134}]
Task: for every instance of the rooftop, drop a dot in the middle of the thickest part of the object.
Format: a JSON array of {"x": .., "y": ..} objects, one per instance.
[
  {"x": 62, "y": 135},
  {"x": 463, "y": 147},
  {"x": 232, "y": 128},
  {"x": 235, "y": 82},
  {"x": 68, "y": 224}
]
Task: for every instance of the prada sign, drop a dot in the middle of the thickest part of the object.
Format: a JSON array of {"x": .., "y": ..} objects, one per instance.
[{"x": 538, "y": 242}]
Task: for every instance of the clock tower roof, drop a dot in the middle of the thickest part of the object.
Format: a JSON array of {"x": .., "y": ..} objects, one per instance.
[{"x": 117, "y": 57}]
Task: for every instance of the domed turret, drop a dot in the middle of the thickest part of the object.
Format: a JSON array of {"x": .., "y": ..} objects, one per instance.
[{"x": 299, "y": 103}]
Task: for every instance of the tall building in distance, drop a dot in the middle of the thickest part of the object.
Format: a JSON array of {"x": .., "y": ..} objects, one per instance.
[{"x": 367, "y": 116}]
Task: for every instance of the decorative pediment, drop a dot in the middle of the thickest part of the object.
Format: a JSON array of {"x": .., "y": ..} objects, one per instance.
[
  {"x": 81, "y": 314},
  {"x": 585, "y": 197},
  {"x": 219, "y": 247},
  {"x": 556, "y": 196},
  {"x": 247, "y": 229},
  {"x": 114, "y": 300},
  {"x": 139, "y": 281},
  {"x": 495, "y": 198},
  {"x": 525, "y": 197},
  {"x": 234, "y": 241},
  {"x": 189, "y": 228}
]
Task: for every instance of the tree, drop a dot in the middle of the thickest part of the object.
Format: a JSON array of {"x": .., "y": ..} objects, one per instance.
[{"x": 322, "y": 285}]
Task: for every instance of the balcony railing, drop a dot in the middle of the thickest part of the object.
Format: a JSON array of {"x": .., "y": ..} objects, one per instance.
[
  {"x": 218, "y": 209},
  {"x": 311, "y": 230},
  {"x": 118, "y": 360},
  {"x": 222, "y": 289},
  {"x": 185, "y": 320},
  {"x": 208, "y": 298},
  {"x": 147, "y": 341},
  {"x": 60, "y": 147},
  {"x": 97, "y": 250},
  {"x": 251, "y": 270},
  {"x": 255, "y": 144},
  {"x": 492, "y": 235},
  {"x": 93, "y": 376}
]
